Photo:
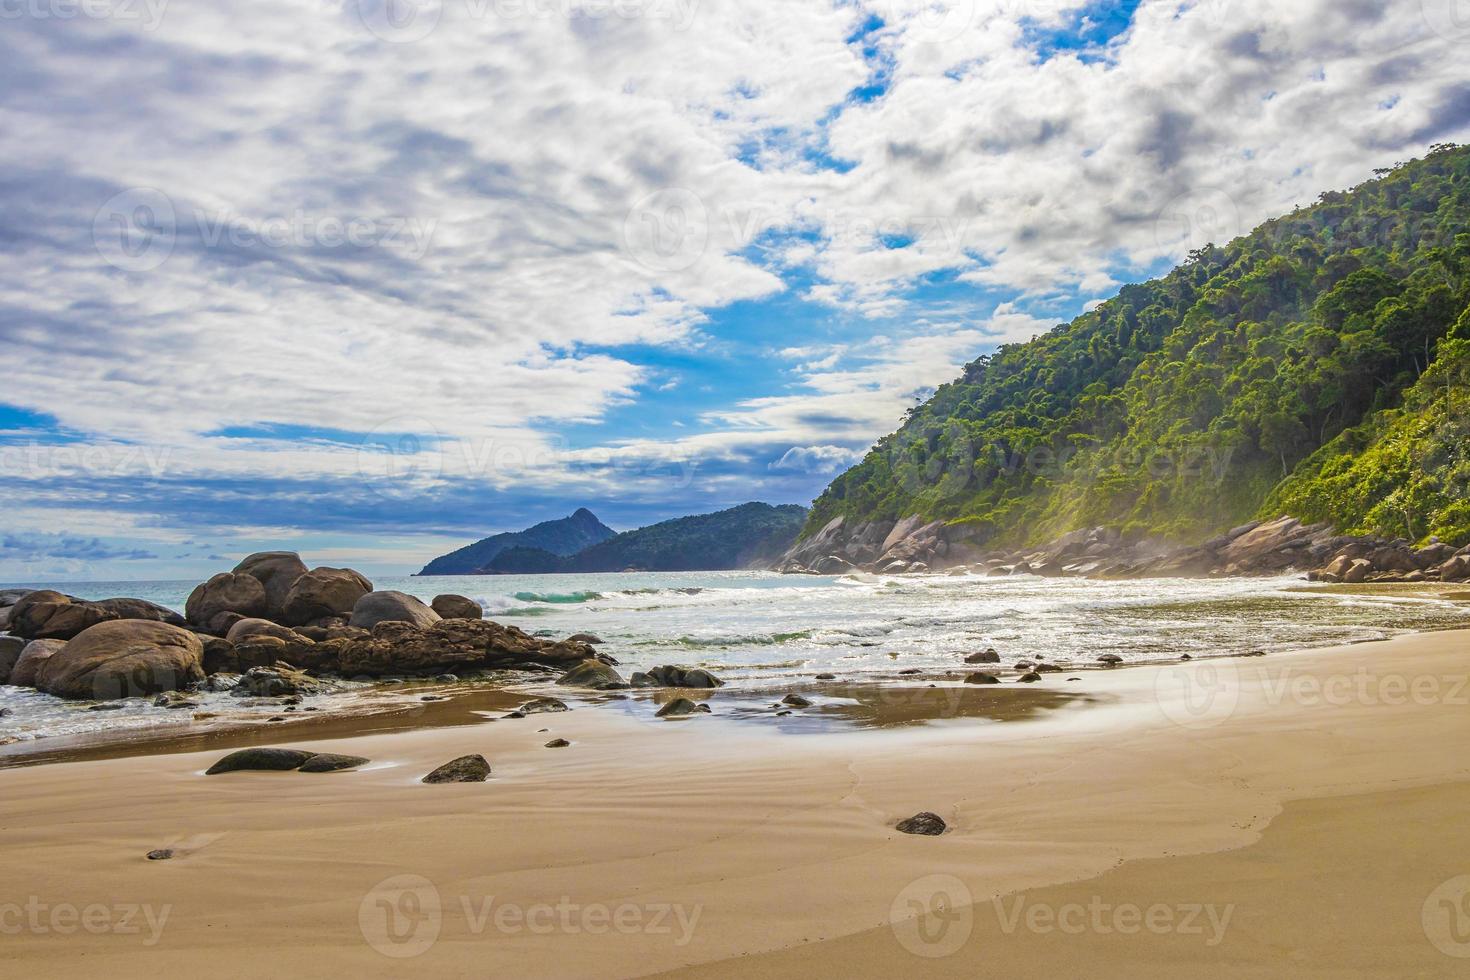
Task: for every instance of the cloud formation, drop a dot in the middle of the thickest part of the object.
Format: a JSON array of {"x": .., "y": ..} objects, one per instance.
[{"x": 410, "y": 255}]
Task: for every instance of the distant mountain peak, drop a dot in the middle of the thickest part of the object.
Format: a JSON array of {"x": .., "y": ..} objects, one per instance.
[{"x": 565, "y": 536}]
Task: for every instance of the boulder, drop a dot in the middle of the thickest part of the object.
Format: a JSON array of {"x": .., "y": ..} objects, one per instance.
[
  {"x": 453, "y": 645},
  {"x": 278, "y": 681},
  {"x": 796, "y": 701},
  {"x": 833, "y": 565},
  {"x": 128, "y": 658},
  {"x": 593, "y": 674},
  {"x": 47, "y": 615},
  {"x": 671, "y": 676},
  {"x": 982, "y": 679},
  {"x": 1358, "y": 571},
  {"x": 1110, "y": 659},
  {"x": 247, "y": 629},
  {"x": 278, "y": 572},
  {"x": 10, "y": 651},
  {"x": 323, "y": 592},
  {"x": 923, "y": 824},
  {"x": 457, "y": 607},
  {"x": 393, "y": 607},
  {"x": 681, "y": 708},
  {"x": 227, "y": 592},
  {"x": 1030, "y": 678},
  {"x": 28, "y": 664},
  {"x": 465, "y": 769},
  {"x": 331, "y": 762},
  {"x": 1457, "y": 569},
  {"x": 261, "y": 760},
  {"x": 589, "y": 638},
  {"x": 557, "y": 743},
  {"x": 986, "y": 657}
]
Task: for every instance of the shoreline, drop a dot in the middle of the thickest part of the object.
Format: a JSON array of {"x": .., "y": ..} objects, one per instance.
[{"x": 636, "y": 814}]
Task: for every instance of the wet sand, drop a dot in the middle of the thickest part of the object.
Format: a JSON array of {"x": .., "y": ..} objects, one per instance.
[{"x": 1319, "y": 796}]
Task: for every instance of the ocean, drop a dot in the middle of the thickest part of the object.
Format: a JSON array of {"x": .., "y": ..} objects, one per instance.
[{"x": 759, "y": 628}]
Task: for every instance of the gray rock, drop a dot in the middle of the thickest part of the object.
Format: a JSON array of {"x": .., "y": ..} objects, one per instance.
[
  {"x": 324, "y": 592},
  {"x": 923, "y": 824},
  {"x": 465, "y": 769},
  {"x": 1111, "y": 659},
  {"x": 162, "y": 854},
  {"x": 681, "y": 708},
  {"x": 227, "y": 592},
  {"x": 392, "y": 607},
  {"x": 987, "y": 657},
  {"x": 453, "y": 606},
  {"x": 544, "y": 706},
  {"x": 585, "y": 638},
  {"x": 122, "y": 659},
  {"x": 796, "y": 701},
  {"x": 1030, "y": 678},
  {"x": 278, "y": 572},
  {"x": 260, "y": 760},
  {"x": 592, "y": 674},
  {"x": 982, "y": 679},
  {"x": 11, "y": 648},
  {"x": 557, "y": 743},
  {"x": 331, "y": 762}
]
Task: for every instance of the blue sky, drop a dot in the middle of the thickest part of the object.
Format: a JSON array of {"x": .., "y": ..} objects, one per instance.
[{"x": 301, "y": 276}]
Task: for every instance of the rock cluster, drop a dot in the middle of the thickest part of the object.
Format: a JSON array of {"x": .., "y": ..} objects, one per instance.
[
  {"x": 272, "y": 620},
  {"x": 1258, "y": 548}
]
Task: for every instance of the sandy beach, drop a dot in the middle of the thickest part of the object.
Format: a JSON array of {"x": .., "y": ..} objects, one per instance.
[{"x": 1297, "y": 814}]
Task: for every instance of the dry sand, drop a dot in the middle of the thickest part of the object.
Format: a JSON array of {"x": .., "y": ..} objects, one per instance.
[{"x": 1297, "y": 815}]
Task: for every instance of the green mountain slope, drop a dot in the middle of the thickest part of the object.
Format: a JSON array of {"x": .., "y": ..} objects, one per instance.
[
  {"x": 1305, "y": 368},
  {"x": 566, "y": 536},
  {"x": 743, "y": 537}
]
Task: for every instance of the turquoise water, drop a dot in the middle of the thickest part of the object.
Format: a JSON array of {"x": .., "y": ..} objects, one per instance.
[{"x": 757, "y": 627}]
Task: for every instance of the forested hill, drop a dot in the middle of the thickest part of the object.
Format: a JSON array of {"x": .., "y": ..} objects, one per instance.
[{"x": 1316, "y": 367}]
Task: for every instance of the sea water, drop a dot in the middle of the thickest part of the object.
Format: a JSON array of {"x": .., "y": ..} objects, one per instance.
[{"x": 755, "y": 628}]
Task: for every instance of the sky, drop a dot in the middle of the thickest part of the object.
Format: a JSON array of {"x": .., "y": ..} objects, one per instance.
[{"x": 371, "y": 279}]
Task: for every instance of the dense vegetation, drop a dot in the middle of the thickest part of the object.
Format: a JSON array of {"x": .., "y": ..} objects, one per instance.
[
  {"x": 747, "y": 536},
  {"x": 566, "y": 536},
  {"x": 1316, "y": 367}
]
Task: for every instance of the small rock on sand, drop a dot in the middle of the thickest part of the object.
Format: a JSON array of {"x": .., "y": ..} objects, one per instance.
[
  {"x": 331, "y": 762},
  {"x": 162, "y": 854},
  {"x": 1111, "y": 659},
  {"x": 557, "y": 743},
  {"x": 1030, "y": 678},
  {"x": 923, "y": 824},
  {"x": 681, "y": 707},
  {"x": 826, "y": 677},
  {"x": 796, "y": 701},
  {"x": 987, "y": 657},
  {"x": 465, "y": 769},
  {"x": 982, "y": 679},
  {"x": 260, "y": 760}
]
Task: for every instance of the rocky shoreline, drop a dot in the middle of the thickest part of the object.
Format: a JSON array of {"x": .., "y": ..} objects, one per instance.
[
  {"x": 1281, "y": 546},
  {"x": 270, "y": 627}
]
